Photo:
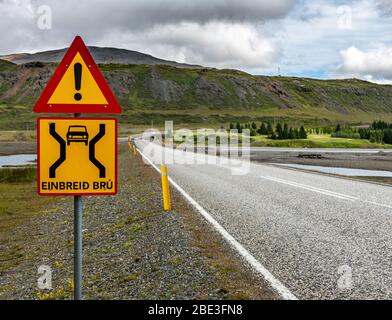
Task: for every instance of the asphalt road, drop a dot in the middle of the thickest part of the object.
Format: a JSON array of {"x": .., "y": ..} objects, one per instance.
[{"x": 321, "y": 236}]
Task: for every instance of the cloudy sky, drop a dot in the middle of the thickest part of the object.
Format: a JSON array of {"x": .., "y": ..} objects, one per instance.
[{"x": 310, "y": 38}]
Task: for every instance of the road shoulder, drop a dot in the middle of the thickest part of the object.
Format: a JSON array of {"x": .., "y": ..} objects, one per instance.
[{"x": 132, "y": 249}]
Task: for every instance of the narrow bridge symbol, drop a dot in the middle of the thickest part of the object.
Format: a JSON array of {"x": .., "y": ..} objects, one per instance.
[{"x": 63, "y": 150}]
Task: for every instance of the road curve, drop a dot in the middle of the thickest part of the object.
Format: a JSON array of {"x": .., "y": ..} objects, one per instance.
[{"x": 322, "y": 237}]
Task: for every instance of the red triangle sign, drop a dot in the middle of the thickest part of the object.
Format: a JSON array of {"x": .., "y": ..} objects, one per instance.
[{"x": 77, "y": 86}]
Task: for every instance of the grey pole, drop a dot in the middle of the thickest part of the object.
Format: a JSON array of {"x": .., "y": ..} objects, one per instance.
[
  {"x": 78, "y": 251},
  {"x": 78, "y": 243}
]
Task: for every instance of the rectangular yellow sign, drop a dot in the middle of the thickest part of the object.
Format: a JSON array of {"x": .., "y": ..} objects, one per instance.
[{"x": 77, "y": 156}]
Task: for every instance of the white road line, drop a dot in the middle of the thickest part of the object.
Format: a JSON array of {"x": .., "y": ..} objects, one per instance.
[
  {"x": 256, "y": 265},
  {"x": 314, "y": 189},
  {"x": 326, "y": 192}
]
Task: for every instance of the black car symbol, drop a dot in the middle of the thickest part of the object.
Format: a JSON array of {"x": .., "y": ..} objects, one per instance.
[{"x": 77, "y": 134}]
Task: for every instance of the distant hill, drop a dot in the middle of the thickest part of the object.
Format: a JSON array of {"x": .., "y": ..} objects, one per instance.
[
  {"x": 202, "y": 96},
  {"x": 101, "y": 55}
]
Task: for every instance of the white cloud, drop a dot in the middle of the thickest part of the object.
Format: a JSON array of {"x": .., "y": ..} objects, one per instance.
[
  {"x": 217, "y": 43},
  {"x": 222, "y": 33},
  {"x": 384, "y": 7},
  {"x": 373, "y": 65},
  {"x": 370, "y": 78},
  {"x": 311, "y": 37},
  {"x": 301, "y": 37}
]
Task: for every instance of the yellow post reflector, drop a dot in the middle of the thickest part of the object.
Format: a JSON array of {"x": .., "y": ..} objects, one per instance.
[{"x": 165, "y": 189}]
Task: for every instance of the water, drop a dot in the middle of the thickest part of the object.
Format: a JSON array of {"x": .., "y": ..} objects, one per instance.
[
  {"x": 340, "y": 171},
  {"x": 17, "y": 159}
]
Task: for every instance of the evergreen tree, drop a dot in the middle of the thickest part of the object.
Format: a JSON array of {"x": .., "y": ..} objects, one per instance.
[
  {"x": 338, "y": 128},
  {"x": 302, "y": 133},
  {"x": 263, "y": 129},
  {"x": 285, "y": 131},
  {"x": 279, "y": 131},
  {"x": 296, "y": 133},
  {"x": 270, "y": 129},
  {"x": 387, "y": 136},
  {"x": 291, "y": 134}
]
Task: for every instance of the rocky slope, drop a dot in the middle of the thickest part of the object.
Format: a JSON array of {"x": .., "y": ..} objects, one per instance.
[{"x": 200, "y": 95}]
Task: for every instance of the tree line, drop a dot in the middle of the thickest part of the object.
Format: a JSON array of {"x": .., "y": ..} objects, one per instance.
[
  {"x": 280, "y": 132},
  {"x": 380, "y": 132}
]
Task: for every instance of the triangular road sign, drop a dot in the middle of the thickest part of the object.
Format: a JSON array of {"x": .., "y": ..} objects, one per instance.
[{"x": 77, "y": 86}]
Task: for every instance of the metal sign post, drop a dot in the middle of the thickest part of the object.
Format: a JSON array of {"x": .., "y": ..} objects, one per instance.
[
  {"x": 89, "y": 165},
  {"x": 78, "y": 243},
  {"x": 78, "y": 247}
]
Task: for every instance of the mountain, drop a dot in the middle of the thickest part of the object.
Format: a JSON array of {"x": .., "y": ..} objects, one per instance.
[
  {"x": 204, "y": 97},
  {"x": 101, "y": 55}
]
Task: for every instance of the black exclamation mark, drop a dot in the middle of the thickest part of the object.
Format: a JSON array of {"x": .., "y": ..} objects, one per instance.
[{"x": 78, "y": 80}]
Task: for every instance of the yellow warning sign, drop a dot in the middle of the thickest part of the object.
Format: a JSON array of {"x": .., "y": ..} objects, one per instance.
[
  {"x": 77, "y": 86},
  {"x": 77, "y": 156},
  {"x": 71, "y": 89}
]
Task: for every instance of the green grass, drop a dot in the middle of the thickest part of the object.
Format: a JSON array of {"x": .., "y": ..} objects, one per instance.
[
  {"x": 61, "y": 293},
  {"x": 313, "y": 141},
  {"x": 318, "y": 141},
  {"x": 18, "y": 135},
  {"x": 18, "y": 202},
  {"x": 16, "y": 197},
  {"x": 8, "y": 175},
  {"x": 6, "y": 65}
]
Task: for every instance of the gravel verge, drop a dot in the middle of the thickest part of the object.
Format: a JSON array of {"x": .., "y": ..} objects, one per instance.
[{"x": 132, "y": 249}]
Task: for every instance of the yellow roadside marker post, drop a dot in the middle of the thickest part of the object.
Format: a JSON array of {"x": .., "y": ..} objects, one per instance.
[
  {"x": 165, "y": 189},
  {"x": 132, "y": 146}
]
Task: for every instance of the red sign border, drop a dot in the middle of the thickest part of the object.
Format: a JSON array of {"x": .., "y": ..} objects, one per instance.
[
  {"x": 77, "y": 46},
  {"x": 77, "y": 194}
]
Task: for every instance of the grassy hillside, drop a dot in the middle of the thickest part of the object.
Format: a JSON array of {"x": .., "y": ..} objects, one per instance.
[
  {"x": 204, "y": 96},
  {"x": 5, "y": 65}
]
